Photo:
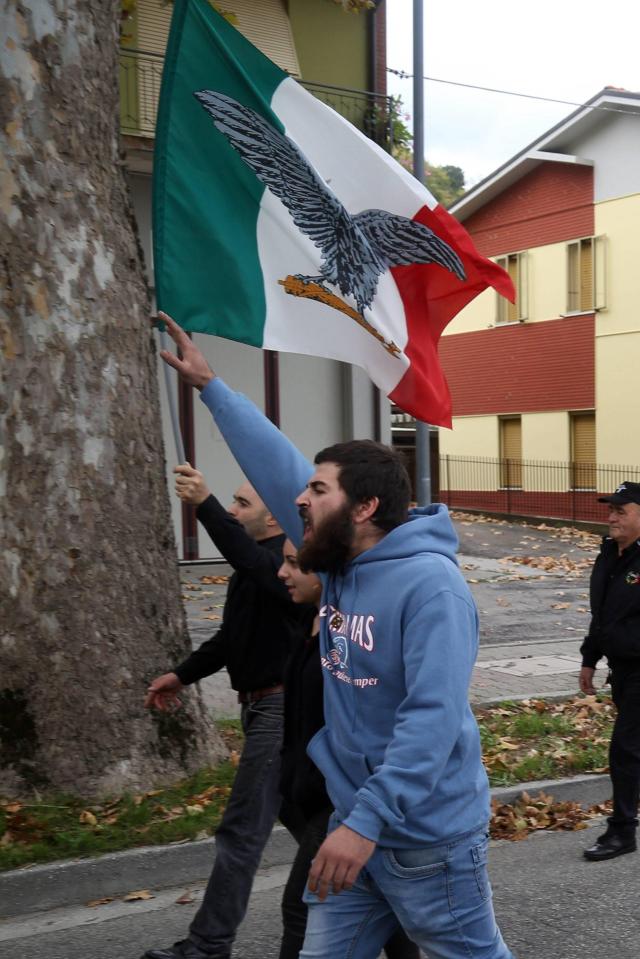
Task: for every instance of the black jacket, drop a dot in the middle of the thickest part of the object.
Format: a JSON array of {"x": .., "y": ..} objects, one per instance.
[
  {"x": 615, "y": 606},
  {"x": 301, "y": 781},
  {"x": 258, "y": 620}
]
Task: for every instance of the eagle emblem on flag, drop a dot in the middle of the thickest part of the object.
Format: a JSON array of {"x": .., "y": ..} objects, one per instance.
[{"x": 356, "y": 249}]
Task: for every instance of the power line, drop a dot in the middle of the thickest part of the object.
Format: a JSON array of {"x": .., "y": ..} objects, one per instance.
[{"x": 403, "y": 75}]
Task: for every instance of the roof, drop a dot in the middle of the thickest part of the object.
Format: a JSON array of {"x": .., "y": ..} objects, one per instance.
[{"x": 547, "y": 148}]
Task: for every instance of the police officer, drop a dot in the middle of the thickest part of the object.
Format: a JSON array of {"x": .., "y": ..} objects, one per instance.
[{"x": 615, "y": 633}]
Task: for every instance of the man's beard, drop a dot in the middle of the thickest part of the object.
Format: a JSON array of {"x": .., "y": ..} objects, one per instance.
[{"x": 330, "y": 549}]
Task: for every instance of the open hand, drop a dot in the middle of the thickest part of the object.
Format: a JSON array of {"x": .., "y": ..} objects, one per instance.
[{"x": 193, "y": 368}]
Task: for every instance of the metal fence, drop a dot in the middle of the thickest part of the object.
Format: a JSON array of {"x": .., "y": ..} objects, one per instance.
[
  {"x": 141, "y": 77},
  {"x": 545, "y": 489}
]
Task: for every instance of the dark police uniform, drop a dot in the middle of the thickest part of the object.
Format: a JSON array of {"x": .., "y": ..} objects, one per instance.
[{"x": 615, "y": 633}]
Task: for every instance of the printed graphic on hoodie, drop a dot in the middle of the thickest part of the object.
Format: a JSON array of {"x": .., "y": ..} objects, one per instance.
[{"x": 344, "y": 629}]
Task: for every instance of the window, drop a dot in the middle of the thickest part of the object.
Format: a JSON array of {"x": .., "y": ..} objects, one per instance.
[
  {"x": 583, "y": 451},
  {"x": 511, "y": 452},
  {"x": 585, "y": 275},
  {"x": 515, "y": 265}
]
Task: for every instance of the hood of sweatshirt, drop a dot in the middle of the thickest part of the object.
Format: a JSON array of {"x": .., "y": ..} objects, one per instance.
[{"x": 428, "y": 530}]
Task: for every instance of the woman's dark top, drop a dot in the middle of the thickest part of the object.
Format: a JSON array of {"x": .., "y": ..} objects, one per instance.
[{"x": 302, "y": 783}]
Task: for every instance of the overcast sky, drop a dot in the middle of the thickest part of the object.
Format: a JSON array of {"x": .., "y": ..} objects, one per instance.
[{"x": 551, "y": 48}]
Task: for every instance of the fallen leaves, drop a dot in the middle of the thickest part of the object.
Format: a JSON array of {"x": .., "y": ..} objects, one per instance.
[
  {"x": 538, "y": 739},
  {"x": 24, "y": 828},
  {"x": 186, "y": 898},
  {"x": 214, "y": 580},
  {"x": 140, "y": 895},
  {"x": 561, "y": 563},
  {"x": 515, "y": 821}
]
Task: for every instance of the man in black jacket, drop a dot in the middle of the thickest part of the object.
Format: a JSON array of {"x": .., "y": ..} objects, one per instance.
[
  {"x": 615, "y": 633},
  {"x": 253, "y": 643}
]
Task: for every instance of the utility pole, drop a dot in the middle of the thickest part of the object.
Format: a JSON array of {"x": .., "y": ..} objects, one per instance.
[{"x": 423, "y": 464}]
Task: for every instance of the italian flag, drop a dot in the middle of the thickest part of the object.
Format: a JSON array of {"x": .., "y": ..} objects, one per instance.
[{"x": 279, "y": 224}]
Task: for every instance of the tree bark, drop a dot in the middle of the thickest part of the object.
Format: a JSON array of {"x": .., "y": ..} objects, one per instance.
[{"x": 90, "y": 605}]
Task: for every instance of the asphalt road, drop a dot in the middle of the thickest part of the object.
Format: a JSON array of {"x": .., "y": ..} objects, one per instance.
[
  {"x": 530, "y": 582},
  {"x": 550, "y": 903}
]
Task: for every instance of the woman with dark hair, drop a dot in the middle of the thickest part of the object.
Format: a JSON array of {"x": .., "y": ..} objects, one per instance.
[{"x": 306, "y": 807}]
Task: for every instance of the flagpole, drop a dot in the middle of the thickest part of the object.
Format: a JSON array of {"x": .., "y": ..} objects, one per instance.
[
  {"x": 171, "y": 400},
  {"x": 423, "y": 465}
]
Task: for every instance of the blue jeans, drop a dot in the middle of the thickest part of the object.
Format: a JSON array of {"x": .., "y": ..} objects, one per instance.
[
  {"x": 440, "y": 895},
  {"x": 310, "y": 834},
  {"x": 244, "y": 829}
]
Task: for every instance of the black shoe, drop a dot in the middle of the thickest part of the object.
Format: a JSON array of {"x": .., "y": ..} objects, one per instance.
[
  {"x": 172, "y": 952},
  {"x": 185, "y": 949},
  {"x": 609, "y": 846}
]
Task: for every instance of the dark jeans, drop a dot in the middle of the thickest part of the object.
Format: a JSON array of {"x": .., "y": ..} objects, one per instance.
[
  {"x": 624, "y": 751},
  {"x": 244, "y": 830},
  {"x": 310, "y": 834}
]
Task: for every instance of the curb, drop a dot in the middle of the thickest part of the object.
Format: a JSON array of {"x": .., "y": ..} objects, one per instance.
[
  {"x": 586, "y": 789},
  {"x": 76, "y": 881}
]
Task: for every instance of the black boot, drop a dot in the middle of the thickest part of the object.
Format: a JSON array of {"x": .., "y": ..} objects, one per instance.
[{"x": 610, "y": 845}]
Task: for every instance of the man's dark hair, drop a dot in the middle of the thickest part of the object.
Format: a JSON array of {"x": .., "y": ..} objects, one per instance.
[{"x": 371, "y": 469}]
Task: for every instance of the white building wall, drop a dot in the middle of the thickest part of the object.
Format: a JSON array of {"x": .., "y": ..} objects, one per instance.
[
  {"x": 614, "y": 148},
  {"x": 311, "y": 401}
]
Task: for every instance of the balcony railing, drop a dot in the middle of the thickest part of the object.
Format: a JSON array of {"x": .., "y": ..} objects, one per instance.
[
  {"x": 141, "y": 76},
  {"x": 559, "y": 490}
]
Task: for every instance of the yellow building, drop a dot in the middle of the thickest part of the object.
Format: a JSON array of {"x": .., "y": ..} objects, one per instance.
[{"x": 550, "y": 379}]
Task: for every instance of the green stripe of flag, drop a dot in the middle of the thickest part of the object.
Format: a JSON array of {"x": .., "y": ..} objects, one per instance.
[{"x": 200, "y": 182}]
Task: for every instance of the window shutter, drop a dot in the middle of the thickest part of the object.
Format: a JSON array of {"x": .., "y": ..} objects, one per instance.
[
  {"x": 522, "y": 298},
  {"x": 512, "y": 270},
  {"x": 515, "y": 264},
  {"x": 586, "y": 274},
  {"x": 511, "y": 451},
  {"x": 266, "y": 24},
  {"x": 573, "y": 277},
  {"x": 263, "y": 22},
  {"x": 154, "y": 20},
  {"x": 583, "y": 450}
]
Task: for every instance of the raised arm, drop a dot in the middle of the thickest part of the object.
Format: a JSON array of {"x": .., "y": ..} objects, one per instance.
[{"x": 272, "y": 464}]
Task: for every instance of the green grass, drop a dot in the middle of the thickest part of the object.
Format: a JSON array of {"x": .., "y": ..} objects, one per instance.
[
  {"x": 66, "y": 827},
  {"x": 534, "y": 740},
  {"x": 521, "y": 742}
]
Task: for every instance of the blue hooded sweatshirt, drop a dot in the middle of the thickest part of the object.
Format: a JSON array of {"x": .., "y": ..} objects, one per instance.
[{"x": 400, "y": 750}]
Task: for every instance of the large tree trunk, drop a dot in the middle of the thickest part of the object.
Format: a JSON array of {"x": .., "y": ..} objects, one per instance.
[{"x": 89, "y": 589}]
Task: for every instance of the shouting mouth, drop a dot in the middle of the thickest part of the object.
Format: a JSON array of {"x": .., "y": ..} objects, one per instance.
[{"x": 306, "y": 524}]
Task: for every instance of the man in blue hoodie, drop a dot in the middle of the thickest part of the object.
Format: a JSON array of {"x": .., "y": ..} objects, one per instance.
[{"x": 400, "y": 750}]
